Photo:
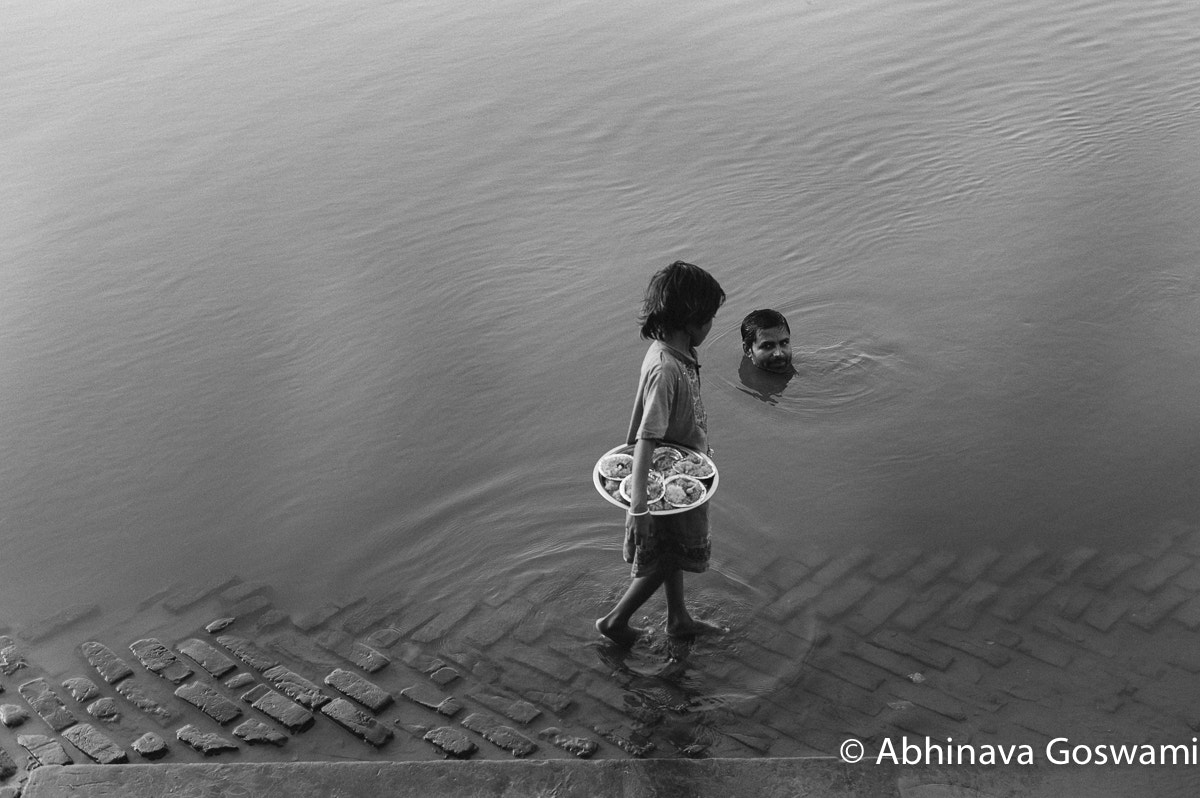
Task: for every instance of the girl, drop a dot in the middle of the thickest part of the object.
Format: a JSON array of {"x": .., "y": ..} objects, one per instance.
[{"x": 677, "y": 314}]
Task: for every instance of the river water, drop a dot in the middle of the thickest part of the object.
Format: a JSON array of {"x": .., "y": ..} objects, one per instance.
[{"x": 342, "y": 296}]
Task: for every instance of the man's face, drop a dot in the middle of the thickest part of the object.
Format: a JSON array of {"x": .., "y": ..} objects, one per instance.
[{"x": 772, "y": 350}]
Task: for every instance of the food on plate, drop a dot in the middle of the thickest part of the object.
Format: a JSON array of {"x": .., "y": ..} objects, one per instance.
[
  {"x": 683, "y": 491},
  {"x": 612, "y": 487},
  {"x": 616, "y": 466},
  {"x": 665, "y": 457},
  {"x": 654, "y": 487},
  {"x": 693, "y": 465}
]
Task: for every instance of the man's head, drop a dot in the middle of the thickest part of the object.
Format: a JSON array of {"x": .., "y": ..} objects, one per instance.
[{"x": 767, "y": 340}]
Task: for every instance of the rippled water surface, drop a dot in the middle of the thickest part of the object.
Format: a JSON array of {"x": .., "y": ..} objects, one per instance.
[{"x": 342, "y": 295}]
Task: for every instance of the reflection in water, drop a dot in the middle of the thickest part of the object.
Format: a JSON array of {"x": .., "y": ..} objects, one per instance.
[{"x": 764, "y": 385}]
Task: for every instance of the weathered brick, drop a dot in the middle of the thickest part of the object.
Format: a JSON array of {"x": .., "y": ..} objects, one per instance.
[
  {"x": 1189, "y": 613},
  {"x": 11, "y": 658},
  {"x": 923, "y": 607},
  {"x": 933, "y": 655},
  {"x": 1104, "y": 612},
  {"x": 150, "y": 746},
  {"x": 207, "y": 657},
  {"x": 1017, "y": 599},
  {"x": 386, "y": 637},
  {"x": 431, "y": 698},
  {"x": 851, "y": 670},
  {"x": 160, "y": 660},
  {"x": 1156, "y": 574},
  {"x": 279, "y": 708},
  {"x": 1070, "y": 563},
  {"x": 443, "y": 676},
  {"x": 499, "y": 735},
  {"x": 46, "y": 704},
  {"x": 81, "y": 688},
  {"x": 12, "y": 715},
  {"x": 1149, "y": 613},
  {"x": 1108, "y": 569},
  {"x": 248, "y": 653},
  {"x": 255, "y": 732},
  {"x": 836, "y": 569},
  {"x": 184, "y": 599},
  {"x": 44, "y": 750},
  {"x": 928, "y": 698},
  {"x": 894, "y": 562},
  {"x": 491, "y": 625},
  {"x": 839, "y": 598},
  {"x": 888, "y": 660},
  {"x": 1062, "y": 629},
  {"x": 962, "y": 612},
  {"x": 930, "y": 567},
  {"x": 64, "y": 618},
  {"x": 542, "y": 660},
  {"x": 367, "y": 658},
  {"x": 357, "y": 722},
  {"x": 104, "y": 709},
  {"x": 209, "y": 701},
  {"x": 134, "y": 694},
  {"x": 219, "y": 625},
  {"x": 111, "y": 668},
  {"x": 1048, "y": 651},
  {"x": 451, "y": 742},
  {"x": 841, "y": 693},
  {"x": 799, "y": 596},
  {"x": 95, "y": 745},
  {"x": 350, "y": 684},
  {"x": 248, "y": 608},
  {"x": 992, "y": 654},
  {"x": 296, "y": 687},
  {"x": 972, "y": 565},
  {"x": 446, "y": 620},
  {"x": 581, "y": 747},
  {"x": 1070, "y": 601},
  {"x": 515, "y": 709},
  {"x": 882, "y": 604},
  {"x": 1014, "y": 563},
  {"x": 205, "y": 743}
]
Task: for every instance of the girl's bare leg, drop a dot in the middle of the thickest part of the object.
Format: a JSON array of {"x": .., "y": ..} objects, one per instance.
[
  {"x": 615, "y": 626},
  {"x": 680, "y": 622}
]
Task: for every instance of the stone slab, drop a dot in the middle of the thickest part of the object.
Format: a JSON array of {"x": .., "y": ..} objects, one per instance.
[
  {"x": 209, "y": 701},
  {"x": 581, "y": 747},
  {"x": 351, "y": 685},
  {"x": 46, "y": 703},
  {"x": 151, "y": 746},
  {"x": 499, "y": 735},
  {"x": 11, "y": 658},
  {"x": 296, "y": 687},
  {"x": 81, "y": 689},
  {"x": 44, "y": 750},
  {"x": 568, "y": 778},
  {"x": 111, "y": 668},
  {"x": 160, "y": 660},
  {"x": 451, "y": 742},
  {"x": 433, "y": 699},
  {"x": 204, "y": 742},
  {"x": 98, "y": 747},
  {"x": 207, "y": 657},
  {"x": 255, "y": 732},
  {"x": 248, "y": 653},
  {"x": 357, "y": 722},
  {"x": 279, "y": 708},
  {"x": 132, "y": 692}
]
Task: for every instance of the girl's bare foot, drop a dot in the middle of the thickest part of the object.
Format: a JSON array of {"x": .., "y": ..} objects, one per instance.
[
  {"x": 692, "y": 628},
  {"x": 624, "y": 636}
]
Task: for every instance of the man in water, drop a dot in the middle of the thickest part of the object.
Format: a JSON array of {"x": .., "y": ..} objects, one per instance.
[{"x": 767, "y": 341}]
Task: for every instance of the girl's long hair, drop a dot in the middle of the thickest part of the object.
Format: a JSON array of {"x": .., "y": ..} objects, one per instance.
[{"x": 679, "y": 295}]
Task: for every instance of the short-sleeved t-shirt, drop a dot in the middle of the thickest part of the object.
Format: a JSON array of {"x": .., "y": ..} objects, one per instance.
[{"x": 668, "y": 406}]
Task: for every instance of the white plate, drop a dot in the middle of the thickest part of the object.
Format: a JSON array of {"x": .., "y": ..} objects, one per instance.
[{"x": 710, "y": 483}]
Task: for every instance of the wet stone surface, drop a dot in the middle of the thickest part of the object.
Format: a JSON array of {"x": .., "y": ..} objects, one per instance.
[
  {"x": 209, "y": 701},
  {"x": 95, "y": 744},
  {"x": 44, "y": 750},
  {"x": 997, "y": 645},
  {"x": 160, "y": 660}
]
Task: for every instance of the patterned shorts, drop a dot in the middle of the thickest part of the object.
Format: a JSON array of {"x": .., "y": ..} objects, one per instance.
[{"x": 678, "y": 541}]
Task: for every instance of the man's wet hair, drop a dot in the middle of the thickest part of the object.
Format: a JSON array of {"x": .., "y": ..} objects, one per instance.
[{"x": 757, "y": 320}]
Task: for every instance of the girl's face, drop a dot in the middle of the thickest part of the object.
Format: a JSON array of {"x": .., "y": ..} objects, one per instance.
[{"x": 697, "y": 333}]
